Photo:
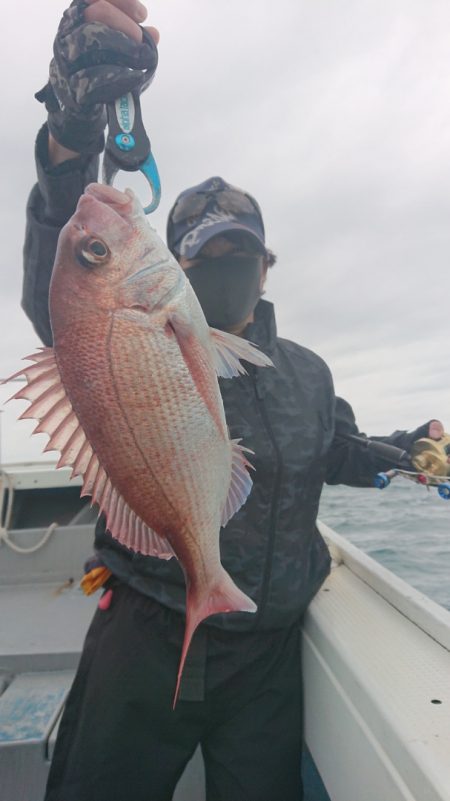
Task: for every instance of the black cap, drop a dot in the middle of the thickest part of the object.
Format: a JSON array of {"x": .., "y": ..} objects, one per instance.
[{"x": 208, "y": 209}]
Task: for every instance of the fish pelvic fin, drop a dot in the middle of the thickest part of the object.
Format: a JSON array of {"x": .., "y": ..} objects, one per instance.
[
  {"x": 230, "y": 349},
  {"x": 222, "y": 596},
  {"x": 51, "y": 407}
]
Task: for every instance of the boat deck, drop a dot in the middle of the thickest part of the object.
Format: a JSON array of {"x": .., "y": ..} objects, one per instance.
[
  {"x": 43, "y": 621},
  {"x": 376, "y": 666}
]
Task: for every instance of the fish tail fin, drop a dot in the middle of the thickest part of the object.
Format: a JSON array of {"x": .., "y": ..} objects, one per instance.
[{"x": 222, "y": 596}]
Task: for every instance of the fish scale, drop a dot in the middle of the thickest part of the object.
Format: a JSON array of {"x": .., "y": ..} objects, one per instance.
[{"x": 177, "y": 428}]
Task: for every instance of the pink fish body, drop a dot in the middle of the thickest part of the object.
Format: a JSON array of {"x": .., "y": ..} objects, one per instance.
[{"x": 129, "y": 396}]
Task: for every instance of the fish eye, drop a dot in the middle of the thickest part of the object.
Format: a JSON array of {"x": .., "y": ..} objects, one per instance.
[{"x": 92, "y": 251}]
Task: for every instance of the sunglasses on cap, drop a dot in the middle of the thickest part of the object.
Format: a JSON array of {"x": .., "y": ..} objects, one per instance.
[{"x": 228, "y": 200}]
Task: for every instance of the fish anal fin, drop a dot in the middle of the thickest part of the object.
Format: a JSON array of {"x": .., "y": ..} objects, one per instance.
[
  {"x": 240, "y": 482},
  {"x": 229, "y": 349}
]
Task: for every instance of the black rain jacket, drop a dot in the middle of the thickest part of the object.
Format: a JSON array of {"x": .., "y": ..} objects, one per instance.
[{"x": 289, "y": 416}]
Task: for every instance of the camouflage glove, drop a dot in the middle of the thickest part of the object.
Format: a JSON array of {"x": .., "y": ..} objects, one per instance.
[{"x": 92, "y": 65}]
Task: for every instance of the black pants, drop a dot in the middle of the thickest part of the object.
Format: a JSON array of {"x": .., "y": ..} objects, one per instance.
[{"x": 120, "y": 739}]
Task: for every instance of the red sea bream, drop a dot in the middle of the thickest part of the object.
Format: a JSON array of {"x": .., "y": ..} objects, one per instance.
[{"x": 129, "y": 396}]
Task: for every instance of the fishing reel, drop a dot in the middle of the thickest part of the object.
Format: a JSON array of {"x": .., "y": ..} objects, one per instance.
[
  {"x": 432, "y": 456},
  {"x": 428, "y": 463},
  {"x": 431, "y": 460}
]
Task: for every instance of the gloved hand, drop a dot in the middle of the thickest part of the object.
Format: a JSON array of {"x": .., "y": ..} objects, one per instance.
[
  {"x": 435, "y": 429},
  {"x": 431, "y": 452},
  {"x": 94, "y": 62}
]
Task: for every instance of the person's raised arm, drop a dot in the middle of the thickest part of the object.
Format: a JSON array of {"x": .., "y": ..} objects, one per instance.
[
  {"x": 100, "y": 53},
  {"x": 349, "y": 463}
]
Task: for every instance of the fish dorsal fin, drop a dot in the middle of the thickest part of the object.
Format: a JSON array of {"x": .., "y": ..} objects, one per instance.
[
  {"x": 240, "y": 483},
  {"x": 51, "y": 407},
  {"x": 229, "y": 349}
]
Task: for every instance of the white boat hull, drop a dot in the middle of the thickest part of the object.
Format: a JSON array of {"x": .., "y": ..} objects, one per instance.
[{"x": 376, "y": 666}]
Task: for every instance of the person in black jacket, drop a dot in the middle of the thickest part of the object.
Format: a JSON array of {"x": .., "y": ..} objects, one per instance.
[{"x": 241, "y": 692}]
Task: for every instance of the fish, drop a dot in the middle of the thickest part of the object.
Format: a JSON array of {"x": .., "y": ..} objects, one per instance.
[{"x": 129, "y": 396}]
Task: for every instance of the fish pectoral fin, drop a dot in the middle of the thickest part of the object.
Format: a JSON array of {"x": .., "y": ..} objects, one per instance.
[
  {"x": 230, "y": 349},
  {"x": 240, "y": 483},
  {"x": 51, "y": 407}
]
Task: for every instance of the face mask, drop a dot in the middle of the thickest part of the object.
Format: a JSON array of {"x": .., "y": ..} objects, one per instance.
[{"x": 228, "y": 288}]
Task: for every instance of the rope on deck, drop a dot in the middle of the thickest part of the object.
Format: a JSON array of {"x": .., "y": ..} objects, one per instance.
[{"x": 7, "y": 486}]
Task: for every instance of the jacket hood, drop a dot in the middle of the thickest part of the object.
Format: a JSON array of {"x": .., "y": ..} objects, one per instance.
[{"x": 263, "y": 330}]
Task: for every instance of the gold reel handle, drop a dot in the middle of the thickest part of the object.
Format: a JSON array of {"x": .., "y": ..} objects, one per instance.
[{"x": 432, "y": 456}]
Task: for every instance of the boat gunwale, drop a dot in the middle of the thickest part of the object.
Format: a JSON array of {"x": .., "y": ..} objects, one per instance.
[{"x": 429, "y": 616}]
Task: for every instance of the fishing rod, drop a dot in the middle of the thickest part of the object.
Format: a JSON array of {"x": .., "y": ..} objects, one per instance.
[{"x": 428, "y": 463}]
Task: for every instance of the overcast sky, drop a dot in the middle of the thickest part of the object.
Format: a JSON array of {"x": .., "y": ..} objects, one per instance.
[{"x": 335, "y": 115}]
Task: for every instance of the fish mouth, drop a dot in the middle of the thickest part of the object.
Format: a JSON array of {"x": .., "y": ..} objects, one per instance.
[
  {"x": 109, "y": 195},
  {"x": 106, "y": 199},
  {"x": 104, "y": 206}
]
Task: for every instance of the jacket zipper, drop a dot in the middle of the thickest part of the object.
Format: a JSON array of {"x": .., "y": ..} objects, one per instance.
[{"x": 259, "y": 395}]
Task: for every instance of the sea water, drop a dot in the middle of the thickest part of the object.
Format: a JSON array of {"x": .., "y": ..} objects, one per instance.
[{"x": 405, "y": 527}]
